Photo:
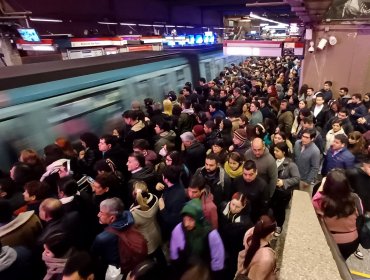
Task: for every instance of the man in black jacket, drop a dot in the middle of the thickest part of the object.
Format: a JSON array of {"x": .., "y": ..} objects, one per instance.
[
  {"x": 194, "y": 152},
  {"x": 254, "y": 187}
]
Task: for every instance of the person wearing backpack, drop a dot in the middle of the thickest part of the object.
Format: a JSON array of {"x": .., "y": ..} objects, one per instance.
[{"x": 120, "y": 244}]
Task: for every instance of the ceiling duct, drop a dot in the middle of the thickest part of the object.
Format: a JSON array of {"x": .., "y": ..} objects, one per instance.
[{"x": 265, "y": 4}]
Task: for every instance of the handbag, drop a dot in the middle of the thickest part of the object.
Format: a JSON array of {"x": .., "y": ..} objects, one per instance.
[{"x": 363, "y": 225}]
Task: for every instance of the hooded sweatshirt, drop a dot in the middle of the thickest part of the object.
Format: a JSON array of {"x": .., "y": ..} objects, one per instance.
[{"x": 106, "y": 243}]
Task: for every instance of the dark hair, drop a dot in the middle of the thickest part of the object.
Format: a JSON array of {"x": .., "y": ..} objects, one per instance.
[
  {"x": 52, "y": 153},
  {"x": 330, "y": 83},
  {"x": 336, "y": 120},
  {"x": 109, "y": 139},
  {"x": 282, "y": 146},
  {"x": 37, "y": 188},
  {"x": 257, "y": 104},
  {"x": 344, "y": 110},
  {"x": 214, "y": 157},
  {"x": 172, "y": 173},
  {"x": 210, "y": 124},
  {"x": 82, "y": 263},
  {"x": 90, "y": 139},
  {"x": 337, "y": 198},
  {"x": 176, "y": 158},
  {"x": 176, "y": 110},
  {"x": 141, "y": 144},
  {"x": 228, "y": 125},
  {"x": 305, "y": 112},
  {"x": 106, "y": 180},
  {"x": 187, "y": 104},
  {"x": 357, "y": 95},
  {"x": 219, "y": 142},
  {"x": 58, "y": 244},
  {"x": 342, "y": 138},
  {"x": 309, "y": 120},
  {"x": 250, "y": 164},
  {"x": 68, "y": 186},
  {"x": 139, "y": 157},
  {"x": 197, "y": 182},
  {"x": 163, "y": 125},
  {"x": 236, "y": 157},
  {"x": 310, "y": 131},
  {"x": 345, "y": 89},
  {"x": 320, "y": 95},
  {"x": 265, "y": 226}
]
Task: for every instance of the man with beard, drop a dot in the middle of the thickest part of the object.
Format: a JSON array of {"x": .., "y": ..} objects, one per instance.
[{"x": 217, "y": 180}]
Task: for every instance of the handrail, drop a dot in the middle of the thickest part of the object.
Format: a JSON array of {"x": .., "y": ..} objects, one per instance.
[{"x": 339, "y": 260}]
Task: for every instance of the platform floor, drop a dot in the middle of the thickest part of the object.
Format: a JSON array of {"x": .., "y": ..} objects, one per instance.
[{"x": 360, "y": 269}]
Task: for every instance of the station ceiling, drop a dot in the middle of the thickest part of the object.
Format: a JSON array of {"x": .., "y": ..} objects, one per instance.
[{"x": 306, "y": 11}]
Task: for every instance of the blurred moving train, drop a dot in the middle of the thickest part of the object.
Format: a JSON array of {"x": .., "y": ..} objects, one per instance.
[{"x": 39, "y": 102}]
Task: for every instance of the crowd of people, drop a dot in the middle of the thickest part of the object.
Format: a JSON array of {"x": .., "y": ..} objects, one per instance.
[{"x": 194, "y": 186}]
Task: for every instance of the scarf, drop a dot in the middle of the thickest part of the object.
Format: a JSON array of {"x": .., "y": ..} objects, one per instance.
[
  {"x": 233, "y": 174},
  {"x": 54, "y": 266}
]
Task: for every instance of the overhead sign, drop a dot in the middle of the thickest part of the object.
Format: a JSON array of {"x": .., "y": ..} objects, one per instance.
[{"x": 253, "y": 48}]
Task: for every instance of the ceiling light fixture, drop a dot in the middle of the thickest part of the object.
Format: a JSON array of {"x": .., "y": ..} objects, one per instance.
[
  {"x": 45, "y": 19},
  {"x": 107, "y": 22},
  {"x": 266, "y": 19},
  {"x": 128, "y": 24},
  {"x": 145, "y": 24}
]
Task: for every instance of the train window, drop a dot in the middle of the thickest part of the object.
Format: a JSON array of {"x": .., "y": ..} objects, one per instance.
[{"x": 180, "y": 75}]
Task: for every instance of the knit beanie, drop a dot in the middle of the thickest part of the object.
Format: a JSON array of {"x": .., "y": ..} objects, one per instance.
[{"x": 241, "y": 134}]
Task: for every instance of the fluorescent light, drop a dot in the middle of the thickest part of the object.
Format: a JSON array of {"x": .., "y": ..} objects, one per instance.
[
  {"x": 170, "y": 25},
  {"x": 158, "y": 25},
  {"x": 45, "y": 19},
  {"x": 145, "y": 24},
  {"x": 55, "y": 35},
  {"x": 129, "y": 24},
  {"x": 204, "y": 27},
  {"x": 180, "y": 26},
  {"x": 107, "y": 22},
  {"x": 266, "y": 19},
  {"x": 189, "y": 26}
]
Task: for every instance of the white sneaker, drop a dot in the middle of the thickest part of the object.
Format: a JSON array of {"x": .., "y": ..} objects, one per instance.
[
  {"x": 358, "y": 254},
  {"x": 277, "y": 231}
]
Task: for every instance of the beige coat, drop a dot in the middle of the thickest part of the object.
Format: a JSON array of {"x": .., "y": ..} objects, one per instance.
[
  {"x": 146, "y": 222},
  {"x": 263, "y": 264}
]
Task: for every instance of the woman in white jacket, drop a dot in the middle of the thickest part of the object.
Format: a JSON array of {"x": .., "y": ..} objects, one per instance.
[{"x": 144, "y": 210}]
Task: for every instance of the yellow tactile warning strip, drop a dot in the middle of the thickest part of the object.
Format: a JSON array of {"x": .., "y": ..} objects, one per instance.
[{"x": 364, "y": 275}]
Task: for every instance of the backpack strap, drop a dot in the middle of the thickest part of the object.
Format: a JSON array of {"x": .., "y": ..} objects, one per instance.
[{"x": 358, "y": 204}]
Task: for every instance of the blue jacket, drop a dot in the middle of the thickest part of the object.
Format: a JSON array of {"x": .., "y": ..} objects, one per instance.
[
  {"x": 218, "y": 113},
  {"x": 343, "y": 159},
  {"x": 106, "y": 243}
]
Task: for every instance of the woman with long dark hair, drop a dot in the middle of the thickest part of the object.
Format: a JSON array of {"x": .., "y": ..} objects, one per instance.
[
  {"x": 258, "y": 259},
  {"x": 335, "y": 202}
]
